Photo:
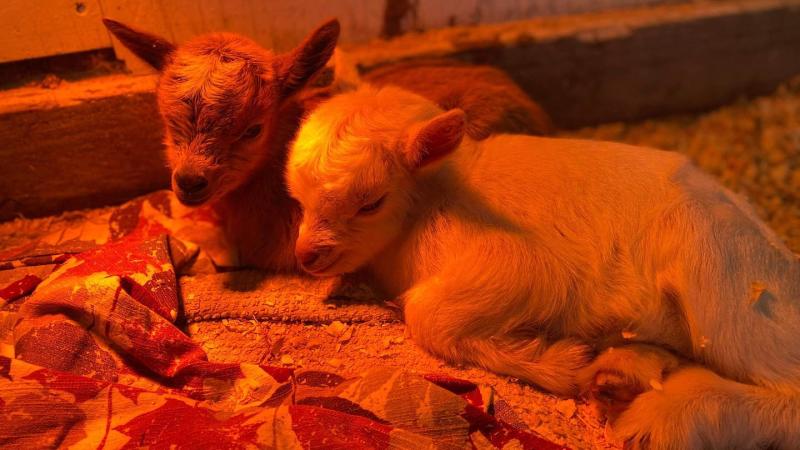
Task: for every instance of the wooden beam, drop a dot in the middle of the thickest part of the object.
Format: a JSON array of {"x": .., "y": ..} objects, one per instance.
[
  {"x": 50, "y": 27},
  {"x": 278, "y": 25},
  {"x": 82, "y": 145},
  {"x": 626, "y": 64},
  {"x": 281, "y": 24}
]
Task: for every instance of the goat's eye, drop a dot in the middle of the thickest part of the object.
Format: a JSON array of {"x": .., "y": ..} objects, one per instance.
[
  {"x": 251, "y": 132},
  {"x": 370, "y": 208}
]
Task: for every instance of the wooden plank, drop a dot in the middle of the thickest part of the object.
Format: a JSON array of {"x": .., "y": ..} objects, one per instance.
[
  {"x": 431, "y": 14},
  {"x": 82, "y": 145},
  {"x": 50, "y": 27},
  {"x": 628, "y": 64},
  {"x": 282, "y": 24},
  {"x": 99, "y": 142},
  {"x": 278, "y": 25}
]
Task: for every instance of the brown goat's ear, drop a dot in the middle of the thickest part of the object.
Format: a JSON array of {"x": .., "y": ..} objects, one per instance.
[
  {"x": 302, "y": 63},
  {"x": 152, "y": 49},
  {"x": 436, "y": 138}
]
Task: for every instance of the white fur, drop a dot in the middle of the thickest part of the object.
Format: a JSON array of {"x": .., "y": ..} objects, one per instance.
[{"x": 513, "y": 252}]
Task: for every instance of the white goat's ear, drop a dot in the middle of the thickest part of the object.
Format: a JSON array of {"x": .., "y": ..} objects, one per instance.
[
  {"x": 302, "y": 63},
  {"x": 154, "y": 50},
  {"x": 436, "y": 138}
]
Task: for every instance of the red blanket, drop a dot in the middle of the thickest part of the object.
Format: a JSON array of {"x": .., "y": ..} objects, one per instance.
[{"x": 92, "y": 357}]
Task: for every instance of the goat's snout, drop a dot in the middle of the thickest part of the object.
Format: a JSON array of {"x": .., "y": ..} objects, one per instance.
[
  {"x": 311, "y": 257},
  {"x": 191, "y": 183},
  {"x": 191, "y": 186}
]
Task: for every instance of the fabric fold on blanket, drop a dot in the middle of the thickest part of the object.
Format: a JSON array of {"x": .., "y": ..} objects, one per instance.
[{"x": 92, "y": 355}]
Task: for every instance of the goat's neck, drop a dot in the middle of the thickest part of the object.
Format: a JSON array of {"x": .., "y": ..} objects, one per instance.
[{"x": 260, "y": 217}]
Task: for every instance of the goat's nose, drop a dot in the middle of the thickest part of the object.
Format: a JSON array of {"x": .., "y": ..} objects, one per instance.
[
  {"x": 190, "y": 183},
  {"x": 308, "y": 258},
  {"x": 310, "y": 255}
]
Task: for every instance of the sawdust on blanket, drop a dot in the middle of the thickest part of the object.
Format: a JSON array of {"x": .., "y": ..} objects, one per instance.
[
  {"x": 752, "y": 146},
  {"x": 301, "y": 326}
]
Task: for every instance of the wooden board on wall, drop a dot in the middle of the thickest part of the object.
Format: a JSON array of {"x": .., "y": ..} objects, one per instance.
[
  {"x": 278, "y": 25},
  {"x": 627, "y": 64},
  {"x": 282, "y": 24},
  {"x": 50, "y": 27},
  {"x": 431, "y": 14}
]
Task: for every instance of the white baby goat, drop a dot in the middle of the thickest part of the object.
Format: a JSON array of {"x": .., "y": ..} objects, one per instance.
[{"x": 524, "y": 255}]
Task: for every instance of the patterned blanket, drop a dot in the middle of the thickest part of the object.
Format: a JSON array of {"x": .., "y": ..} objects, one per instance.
[{"x": 92, "y": 355}]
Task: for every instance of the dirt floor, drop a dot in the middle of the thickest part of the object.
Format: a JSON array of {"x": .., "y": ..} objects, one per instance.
[{"x": 752, "y": 146}]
